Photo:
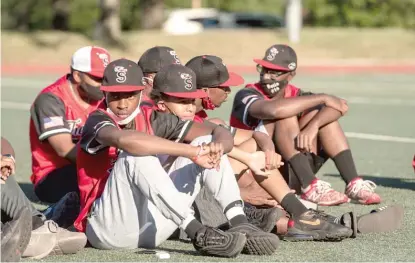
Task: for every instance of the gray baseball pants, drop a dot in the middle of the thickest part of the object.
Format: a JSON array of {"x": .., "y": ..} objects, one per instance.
[{"x": 142, "y": 204}]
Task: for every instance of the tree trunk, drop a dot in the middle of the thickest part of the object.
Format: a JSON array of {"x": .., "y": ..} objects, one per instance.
[
  {"x": 61, "y": 10},
  {"x": 109, "y": 25},
  {"x": 152, "y": 14}
]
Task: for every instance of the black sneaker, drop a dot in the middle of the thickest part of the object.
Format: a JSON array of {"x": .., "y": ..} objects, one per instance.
[
  {"x": 214, "y": 242},
  {"x": 348, "y": 219},
  {"x": 258, "y": 242},
  {"x": 263, "y": 218},
  {"x": 15, "y": 236},
  {"x": 313, "y": 226},
  {"x": 64, "y": 212}
]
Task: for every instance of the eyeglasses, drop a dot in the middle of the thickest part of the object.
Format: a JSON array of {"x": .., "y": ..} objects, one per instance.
[{"x": 261, "y": 69}]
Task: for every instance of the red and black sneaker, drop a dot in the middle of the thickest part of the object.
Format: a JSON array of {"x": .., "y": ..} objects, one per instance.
[{"x": 311, "y": 226}]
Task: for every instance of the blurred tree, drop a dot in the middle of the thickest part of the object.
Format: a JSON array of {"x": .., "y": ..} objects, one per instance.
[
  {"x": 108, "y": 27},
  {"x": 152, "y": 13},
  {"x": 61, "y": 12}
]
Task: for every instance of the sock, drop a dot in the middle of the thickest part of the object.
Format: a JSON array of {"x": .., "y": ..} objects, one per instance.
[
  {"x": 345, "y": 164},
  {"x": 37, "y": 222},
  {"x": 302, "y": 169},
  {"x": 234, "y": 212},
  {"x": 192, "y": 227},
  {"x": 292, "y": 205}
]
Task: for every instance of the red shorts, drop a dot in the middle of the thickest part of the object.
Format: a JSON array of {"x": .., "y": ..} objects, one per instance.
[{"x": 413, "y": 163}]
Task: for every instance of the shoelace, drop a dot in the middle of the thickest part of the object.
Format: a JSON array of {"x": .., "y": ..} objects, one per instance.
[
  {"x": 254, "y": 213},
  {"x": 211, "y": 237},
  {"x": 363, "y": 185},
  {"x": 323, "y": 187}
]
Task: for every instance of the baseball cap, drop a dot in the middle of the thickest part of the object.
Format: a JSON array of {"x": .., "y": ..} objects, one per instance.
[
  {"x": 122, "y": 75},
  {"x": 91, "y": 60},
  {"x": 212, "y": 72},
  {"x": 178, "y": 81},
  {"x": 279, "y": 57},
  {"x": 156, "y": 58}
]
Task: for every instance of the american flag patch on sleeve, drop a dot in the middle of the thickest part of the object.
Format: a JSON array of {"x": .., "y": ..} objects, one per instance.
[{"x": 50, "y": 122}]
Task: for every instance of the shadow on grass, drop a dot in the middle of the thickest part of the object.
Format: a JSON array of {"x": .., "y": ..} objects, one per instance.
[
  {"x": 399, "y": 183},
  {"x": 27, "y": 188}
]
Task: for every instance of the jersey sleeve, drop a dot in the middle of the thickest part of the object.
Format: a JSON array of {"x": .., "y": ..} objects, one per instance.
[
  {"x": 49, "y": 116},
  {"x": 242, "y": 101},
  {"x": 95, "y": 122},
  {"x": 169, "y": 126}
]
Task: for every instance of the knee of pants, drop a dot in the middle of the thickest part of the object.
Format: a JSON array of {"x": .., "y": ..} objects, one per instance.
[{"x": 201, "y": 139}]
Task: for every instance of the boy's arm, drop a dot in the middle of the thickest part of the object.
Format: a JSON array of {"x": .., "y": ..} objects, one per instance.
[{"x": 172, "y": 128}]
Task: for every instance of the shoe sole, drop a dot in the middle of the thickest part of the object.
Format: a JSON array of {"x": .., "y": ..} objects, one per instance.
[
  {"x": 18, "y": 245},
  {"x": 238, "y": 241},
  {"x": 258, "y": 243},
  {"x": 386, "y": 220},
  {"x": 299, "y": 236},
  {"x": 69, "y": 246}
]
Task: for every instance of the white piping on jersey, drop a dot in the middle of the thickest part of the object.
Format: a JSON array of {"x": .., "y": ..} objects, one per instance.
[
  {"x": 246, "y": 110},
  {"x": 55, "y": 131},
  {"x": 182, "y": 131}
]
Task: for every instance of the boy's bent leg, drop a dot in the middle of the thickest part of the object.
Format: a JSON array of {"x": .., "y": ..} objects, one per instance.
[
  {"x": 139, "y": 200},
  {"x": 313, "y": 189},
  {"x": 13, "y": 200},
  {"x": 335, "y": 145}
]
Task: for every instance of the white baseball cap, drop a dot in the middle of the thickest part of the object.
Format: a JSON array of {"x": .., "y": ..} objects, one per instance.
[{"x": 91, "y": 60}]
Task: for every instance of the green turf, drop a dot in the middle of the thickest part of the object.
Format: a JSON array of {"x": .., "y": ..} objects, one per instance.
[{"x": 379, "y": 104}]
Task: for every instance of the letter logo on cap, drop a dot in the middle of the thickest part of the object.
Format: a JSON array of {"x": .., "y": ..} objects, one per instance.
[
  {"x": 104, "y": 58},
  {"x": 272, "y": 53},
  {"x": 121, "y": 74},
  {"x": 188, "y": 84}
]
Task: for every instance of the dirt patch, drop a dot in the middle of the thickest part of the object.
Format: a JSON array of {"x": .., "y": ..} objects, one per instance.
[{"x": 236, "y": 47}]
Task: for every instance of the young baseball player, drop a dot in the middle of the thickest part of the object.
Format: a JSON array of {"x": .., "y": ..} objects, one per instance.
[
  {"x": 180, "y": 101},
  {"x": 58, "y": 115},
  {"x": 129, "y": 201},
  {"x": 304, "y": 127},
  {"x": 151, "y": 61}
]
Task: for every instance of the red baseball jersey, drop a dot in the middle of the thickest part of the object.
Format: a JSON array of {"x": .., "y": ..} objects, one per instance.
[
  {"x": 92, "y": 177},
  {"x": 54, "y": 111}
]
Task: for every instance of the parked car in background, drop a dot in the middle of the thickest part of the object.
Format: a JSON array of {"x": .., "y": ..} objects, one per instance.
[{"x": 192, "y": 21}]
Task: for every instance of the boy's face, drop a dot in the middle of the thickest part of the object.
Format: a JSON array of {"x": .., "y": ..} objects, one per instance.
[
  {"x": 218, "y": 95},
  {"x": 274, "y": 81},
  {"x": 183, "y": 108},
  {"x": 122, "y": 104}
]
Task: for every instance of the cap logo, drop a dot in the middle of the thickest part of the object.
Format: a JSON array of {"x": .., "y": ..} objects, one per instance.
[
  {"x": 292, "y": 65},
  {"x": 104, "y": 58},
  {"x": 121, "y": 74},
  {"x": 272, "y": 53},
  {"x": 176, "y": 58},
  {"x": 188, "y": 84}
]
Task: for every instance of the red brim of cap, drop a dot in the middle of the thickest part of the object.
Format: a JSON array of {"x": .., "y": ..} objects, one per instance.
[
  {"x": 96, "y": 73},
  {"x": 198, "y": 94},
  {"x": 234, "y": 80},
  {"x": 269, "y": 65},
  {"x": 121, "y": 88}
]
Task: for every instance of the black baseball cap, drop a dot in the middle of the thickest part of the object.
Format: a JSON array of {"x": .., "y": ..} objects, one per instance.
[
  {"x": 178, "y": 81},
  {"x": 212, "y": 72},
  {"x": 156, "y": 58},
  {"x": 122, "y": 75},
  {"x": 279, "y": 57}
]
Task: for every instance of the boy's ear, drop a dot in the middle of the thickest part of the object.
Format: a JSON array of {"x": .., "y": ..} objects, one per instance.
[{"x": 161, "y": 106}]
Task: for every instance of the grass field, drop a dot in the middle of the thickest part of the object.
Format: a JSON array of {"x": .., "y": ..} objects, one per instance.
[{"x": 381, "y": 130}]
